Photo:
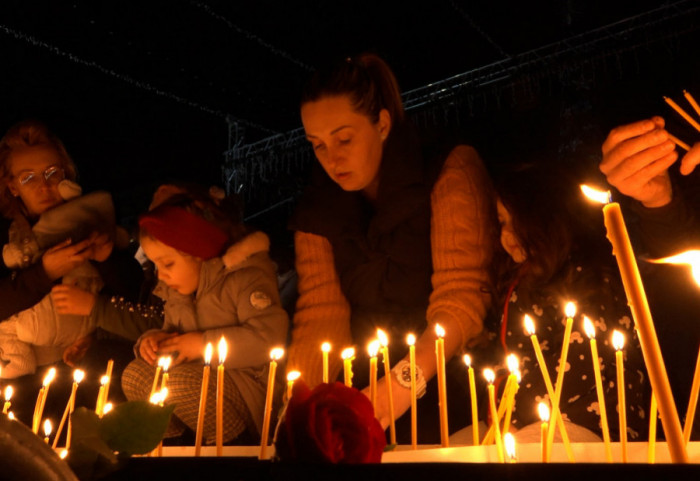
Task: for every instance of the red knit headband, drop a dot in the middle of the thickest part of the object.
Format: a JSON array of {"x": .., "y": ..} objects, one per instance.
[{"x": 184, "y": 231}]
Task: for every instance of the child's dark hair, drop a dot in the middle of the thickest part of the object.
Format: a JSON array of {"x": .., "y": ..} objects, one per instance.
[{"x": 366, "y": 79}]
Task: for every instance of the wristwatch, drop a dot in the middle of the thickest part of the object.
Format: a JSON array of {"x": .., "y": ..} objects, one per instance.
[{"x": 402, "y": 371}]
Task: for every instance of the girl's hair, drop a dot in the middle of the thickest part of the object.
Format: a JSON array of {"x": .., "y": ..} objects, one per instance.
[
  {"x": 26, "y": 134},
  {"x": 224, "y": 213},
  {"x": 366, "y": 79}
]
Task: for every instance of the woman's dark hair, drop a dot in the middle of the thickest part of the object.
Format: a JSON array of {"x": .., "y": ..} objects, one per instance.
[
  {"x": 366, "y": 79},
  {"x": 23, "y": 135}
]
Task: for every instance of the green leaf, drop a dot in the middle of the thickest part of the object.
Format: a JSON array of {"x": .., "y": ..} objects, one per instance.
[
  {"x": 389, "y": 447},
  {"x": 135, "y": 427},
  {"x": 86, "y": 433}
]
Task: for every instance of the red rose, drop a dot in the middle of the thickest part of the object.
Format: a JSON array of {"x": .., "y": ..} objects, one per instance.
[{"x": 331, "y": 424}]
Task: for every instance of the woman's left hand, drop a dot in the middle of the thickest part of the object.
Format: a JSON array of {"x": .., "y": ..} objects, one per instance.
[
  {"x": 188, "y": 347},
  {"x": 402, "y": 400},
  {"x": 69, "y": 299},
  {"x": 101, "y": 246}
]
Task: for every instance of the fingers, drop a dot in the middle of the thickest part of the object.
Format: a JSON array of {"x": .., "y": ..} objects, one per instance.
[
  {"x": 640, "y": 165},
  {"x": 634, "y": 153},
  {"x": 625, "y": 132},
  {"x": 59, "y": 246},
  {"x": 691, "y": 160}
]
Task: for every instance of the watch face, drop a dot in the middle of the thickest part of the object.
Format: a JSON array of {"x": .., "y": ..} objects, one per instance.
[{"x": 406, "y": 374}]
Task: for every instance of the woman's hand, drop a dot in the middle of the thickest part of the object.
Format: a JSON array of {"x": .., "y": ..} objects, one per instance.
[
  {"x": 64, "y": 257},
  {"x": 72, "y": 300},
  {"x": 184, "y": 347},
  {"x": 76, "y": 351},
  {"x": 101, "y": 246},
  {"x": 149, "y": 345}
]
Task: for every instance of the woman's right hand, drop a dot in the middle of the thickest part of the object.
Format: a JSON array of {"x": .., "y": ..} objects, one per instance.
[
  {"x": 149, "y": 345},
  {"x": 62, "y": 258}
]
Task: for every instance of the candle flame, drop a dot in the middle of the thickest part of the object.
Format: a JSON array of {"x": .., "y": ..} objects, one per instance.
[
  {"x": 690, "y": 258},
  {"x": 512, "y": 363},
  {"x": 48, "y": 379},
  {"x": 588, "y": 327},
  {"x": 276, "y": 354},
  {"x": 11, "y": 416},
  {"x": 63, "y": 454},
  {"x": 166, "y": 363},
  {"x": 155, "y": 398},
  {"x": 600, "y": 196},
  {"x": 104, "y": 380},
  {"x": 208, "y": 353},
  {"x": 164, "y": 394},
  {"x": 411, "y": 340},
  {"x": 293, "y": 375},
  {"x": 618, "y": 340},
  {"x": 47, "y": 428},
  {"x": 543, "y": 411},
  {"x": 373, "y": 348},
  {"x": 348, "y": 353},
  {"x": 518, "y": 376},
  {"x": 161, "y": 361},
  {"x": 326, "y": 347},
  {"x": 383, "y": 339},
  {"x": 107, "y": 408},
  {"x": 222, "y": 349},
  {"x": 467, "y": 360},
  {"x": 489, "y": 375},
  {"x": 509, "y": 444},
  {"x": 570, "y": 309},
  {"x": 78, "y": 375},
  {"x": 439, "y": 330},
  {"x": 529, "y": 325}
]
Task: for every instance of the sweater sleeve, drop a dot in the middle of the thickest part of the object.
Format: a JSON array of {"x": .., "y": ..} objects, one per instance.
[
  {"x": 462, "y": 236},
  {"x": 322, "y": 312}
]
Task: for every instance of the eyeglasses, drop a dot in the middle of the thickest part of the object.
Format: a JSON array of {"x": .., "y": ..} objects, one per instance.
[{"x": 53, "y": 175}]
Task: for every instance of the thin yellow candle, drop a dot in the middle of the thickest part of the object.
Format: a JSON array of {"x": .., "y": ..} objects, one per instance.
[
  {"x": 636, "y": 298},
  {"x": 108, "y": 375},
  {"x": 373, "y": 350},
  {"x": 411, "y": 341},
  {"x": 8, "y": 395},
  {"x": 325, "y": 349},
  {"x": 275, "y": 355},
  {"x": 159, "y": 398},
  {"x": 47, "y": 430},
  {"x": 490, "y": 378},
  {"x": 653, "y": 418},
  {"x": 100, "y": 396},
  {"x": 472, "y": 391},
  {"x": 442, "y": 384},
  {"x": 78, "y": 376},
  {"x": 41, "y": 399},
  {"x": 570, "y": 311},
  {"x": 208, "y": 352},
  {"x": 500, "y": 413},
  {"x": 691, "y": 101},
  {"x": 509, "y": 446},
  {"x": 513, "y": 367},
  {"x": 222, "y": 349},
  {"x": 544, "y": 417},
  {"x": 618, "y": 342},
  {"x": 384, "y": 341},
  {"x": 348, "y": 355},
  {"x": 292, "y": 376},
  {"x": 683, "y": 114},
  {"x": 156, "y": 378},
  {"x": 678, "y": 142},
  {"x": 692, "y": 403},
  {"x": 589, "y": 329},
  {"x": 530, "y": 329}
]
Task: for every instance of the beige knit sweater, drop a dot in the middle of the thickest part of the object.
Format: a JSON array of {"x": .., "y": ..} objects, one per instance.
[{"x": 462, "y": 238}]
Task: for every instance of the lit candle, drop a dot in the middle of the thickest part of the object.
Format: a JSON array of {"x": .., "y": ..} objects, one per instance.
[
  {"x": 275, "y": 355},
  {"x": 159, "y": 398},
  {"x": 208, "y": 352},
  {"x": 8, "y": 395},
  {"x": 373, "y": 350},
  {"x": 442, "y": 386},
  {"x": 107, "y": 408},
  {"x": 509, "y": 445},
  {"x": 156, "y": 378},
  {"x": 41, "y": 399},
  {"x": 348, "y": 355},
  {"x": 292, "y": 376},
  {"x": 653, "y": 417},
  {"x": 636, "y": 298},
  {"x": 590, "y": 332},
  {"x": 100, "y": 396},
  {"x": 685, "y": 115},
  {"x": 472, "y": 391},
  {"x": 544, "y": 417},
  {"x": 78, "y": 376},
  {"x": 164, "y": 378},
  {"x": 692, "y": 403},
  {"x": 384, "y": 341},
  {"x": 513, "y": 367},
  {"x": 108, "y": 375},
  {"x": 47, "y": 430},
  {"x": 490, "y": 378},
  {"x": 325, "y": 349},
  {"x": 570, "y": 311},
  {"x": 530, "y": 329},
  {"x": 618, "y": 341},
  {"x": 411, "y": 341},
  {"x": 691, "y": 101},
  {"x": 222, "y": 350}
]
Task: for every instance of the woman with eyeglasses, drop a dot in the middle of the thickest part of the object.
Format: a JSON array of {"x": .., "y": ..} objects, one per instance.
[{"x": 48, "y": 232}]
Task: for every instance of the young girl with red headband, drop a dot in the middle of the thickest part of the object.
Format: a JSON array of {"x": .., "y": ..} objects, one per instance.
[{"x": 215, "y": 281}]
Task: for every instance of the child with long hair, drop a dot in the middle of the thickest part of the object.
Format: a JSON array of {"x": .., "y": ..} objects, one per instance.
[
  {"x": 551, "y": 256},
  {"x": 215, "y": 281}
]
